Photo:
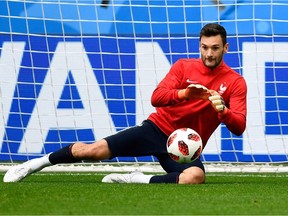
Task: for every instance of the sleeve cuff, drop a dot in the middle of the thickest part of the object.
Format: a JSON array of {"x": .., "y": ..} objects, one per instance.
[{"x": 224, "y": 115}]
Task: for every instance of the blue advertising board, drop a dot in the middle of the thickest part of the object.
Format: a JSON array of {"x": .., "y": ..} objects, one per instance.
[{"x": 50, "y": 53}]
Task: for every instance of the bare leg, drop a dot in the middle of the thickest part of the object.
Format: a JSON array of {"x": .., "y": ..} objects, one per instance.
[{"x": 70, "y": 154}]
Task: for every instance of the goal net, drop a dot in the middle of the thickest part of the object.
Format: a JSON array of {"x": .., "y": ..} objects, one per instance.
[{"x": 79, "y": 70}]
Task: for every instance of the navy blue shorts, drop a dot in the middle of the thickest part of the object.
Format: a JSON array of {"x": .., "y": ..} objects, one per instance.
[{"x": 146, "y": 140}]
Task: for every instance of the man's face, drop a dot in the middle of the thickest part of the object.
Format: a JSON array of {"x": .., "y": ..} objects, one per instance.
[{"x": 212, "y": 50}]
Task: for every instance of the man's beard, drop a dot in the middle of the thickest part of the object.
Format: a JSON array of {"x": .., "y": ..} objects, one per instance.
[{"x": 217, "y": 62}]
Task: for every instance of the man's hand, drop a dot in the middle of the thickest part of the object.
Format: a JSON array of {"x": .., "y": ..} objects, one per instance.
[
  {"x": 217, "y": 101},
  {"x": 194, "y": 91}
]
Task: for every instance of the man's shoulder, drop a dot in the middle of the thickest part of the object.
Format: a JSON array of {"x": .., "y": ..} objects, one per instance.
[
  {"x": 189, "y": 61},
  {"x": 236, "y": 78},
  {"x": 232, "y": 71}
]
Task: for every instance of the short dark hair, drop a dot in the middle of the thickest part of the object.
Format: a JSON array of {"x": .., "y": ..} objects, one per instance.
[{"x": 213, "y": 29}]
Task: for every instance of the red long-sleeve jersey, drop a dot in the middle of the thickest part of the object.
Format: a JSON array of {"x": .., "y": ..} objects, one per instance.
[{"x": 173, "y": 113}]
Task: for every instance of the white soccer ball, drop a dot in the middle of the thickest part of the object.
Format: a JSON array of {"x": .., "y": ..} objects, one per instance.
[{"x": 184, "y": 145}]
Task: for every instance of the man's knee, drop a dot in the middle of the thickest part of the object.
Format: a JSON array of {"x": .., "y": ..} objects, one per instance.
[
  {"x": 192, "y": 175},
  {"x": 98, "y": 150}
]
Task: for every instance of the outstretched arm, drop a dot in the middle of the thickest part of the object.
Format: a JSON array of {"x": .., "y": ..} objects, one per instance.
[
  {"x": 194, "y": 91},
  {"x": 174, "y": 88}
]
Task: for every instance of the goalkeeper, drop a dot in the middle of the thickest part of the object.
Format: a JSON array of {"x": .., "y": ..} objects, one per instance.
[{"x": 196, "y": 93}]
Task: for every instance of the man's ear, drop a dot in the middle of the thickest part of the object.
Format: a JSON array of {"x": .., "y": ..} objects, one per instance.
[{"x": 226, "y": 46}]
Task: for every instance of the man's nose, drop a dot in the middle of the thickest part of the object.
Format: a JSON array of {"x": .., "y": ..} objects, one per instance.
[{"x": 209, "y": 52}]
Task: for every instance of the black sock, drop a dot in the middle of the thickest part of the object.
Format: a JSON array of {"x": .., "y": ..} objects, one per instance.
[
  {"x": 63, "y": 155},
  {"x": 168, "y": 178}
]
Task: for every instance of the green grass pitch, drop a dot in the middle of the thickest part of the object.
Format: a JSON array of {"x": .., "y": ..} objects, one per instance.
[{"x": 84, "y": 194}]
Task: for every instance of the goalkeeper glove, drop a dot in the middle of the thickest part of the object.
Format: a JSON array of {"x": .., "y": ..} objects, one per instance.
[
  {"x": 217, "y": 102},
  {"x": 194, "y": 91}
]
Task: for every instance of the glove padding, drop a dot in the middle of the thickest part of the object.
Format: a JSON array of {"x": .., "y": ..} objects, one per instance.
[
  {"x": 217, "y": 101},
  {"x": 197, "y": 91}
]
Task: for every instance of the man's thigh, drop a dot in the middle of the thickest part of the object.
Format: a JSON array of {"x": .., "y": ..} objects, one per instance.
[
  {"x": 169, "y": 165},
  {"x": 141, "y": 140}
]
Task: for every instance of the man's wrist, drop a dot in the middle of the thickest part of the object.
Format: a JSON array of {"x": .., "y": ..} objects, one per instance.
[
  {"x": 182, "y": 95},
  {"x": 224, "y": 111}
]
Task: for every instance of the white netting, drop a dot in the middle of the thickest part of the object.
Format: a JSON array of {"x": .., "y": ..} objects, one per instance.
[{"x": 76, "y": 70}]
